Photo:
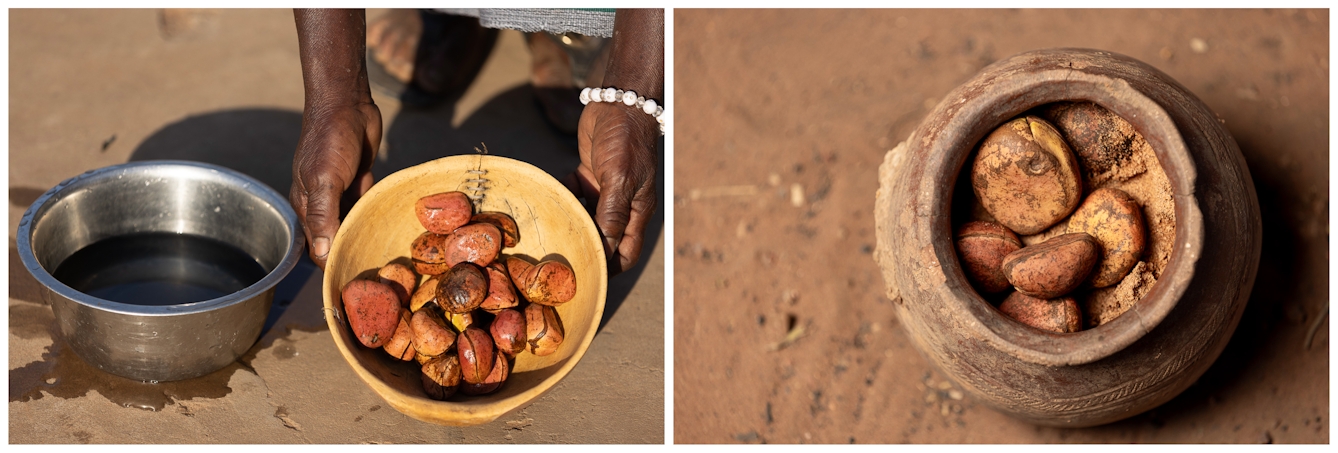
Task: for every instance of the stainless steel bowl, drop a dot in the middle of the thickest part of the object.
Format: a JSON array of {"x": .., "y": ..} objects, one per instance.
[{"x": 160, "y": 342}]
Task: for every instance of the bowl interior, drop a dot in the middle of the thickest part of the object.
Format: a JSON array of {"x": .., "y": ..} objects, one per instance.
[{"x": 552, "y": 223}]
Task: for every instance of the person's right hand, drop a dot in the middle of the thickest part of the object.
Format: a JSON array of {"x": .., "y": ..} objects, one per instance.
[{"x": 333, "y": 161}]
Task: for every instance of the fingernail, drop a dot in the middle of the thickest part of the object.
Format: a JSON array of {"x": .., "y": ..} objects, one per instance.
[{"x": 321, "y": 246}]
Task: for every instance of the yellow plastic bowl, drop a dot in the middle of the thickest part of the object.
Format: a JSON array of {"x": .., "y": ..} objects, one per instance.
[{"x": 381, "y": 227}]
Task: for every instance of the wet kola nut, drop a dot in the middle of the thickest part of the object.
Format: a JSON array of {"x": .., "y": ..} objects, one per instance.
[
  {"x": 400, "y": 278},
  {"x": 1026, "y": 176},
  {"x": 478, "y": 243},
  {"x": 504, "y": 222},
  {"x": 508, "y": 331},
  {"x": 431, "y": 335},
  {"x": 501, "y": 369},
  {"x": 1116, "y": 221},
  {"x": 426, "y": 294},
  {"x": 543, "y": 328},
  {"x": 1054, "y": 315},
  {"x": 501, "y": 294},
  {"x": 549, "y": 283},
  {"x": 441, "y": 376},
  {"x": 1052, "y": 268},
  {"x": 982, "y": 247},
  {"x": 400, "y": 345},
  {"x": 477, "y": 355},
  {"x": 373, "y": 311},
  {"x": 444, "y": 212},
  {"x": 462, "y": 288}
]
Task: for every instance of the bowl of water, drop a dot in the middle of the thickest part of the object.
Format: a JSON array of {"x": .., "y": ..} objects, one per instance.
[{"x": 160, "y": 270}]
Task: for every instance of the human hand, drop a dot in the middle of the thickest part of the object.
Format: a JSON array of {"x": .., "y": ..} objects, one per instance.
[
  {"x": 617, "y": 147},
  {"x": 333, "y": 161}
]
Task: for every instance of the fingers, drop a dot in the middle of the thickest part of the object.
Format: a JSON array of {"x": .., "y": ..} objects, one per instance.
[
  {"x": 643, "y": 206},
  {"x": 318, "y": 208}
]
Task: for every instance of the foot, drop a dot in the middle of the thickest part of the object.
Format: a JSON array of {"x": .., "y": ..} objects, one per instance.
[
  {"x": 392, "y": 41},
  {"x": 560, "y": 67}
]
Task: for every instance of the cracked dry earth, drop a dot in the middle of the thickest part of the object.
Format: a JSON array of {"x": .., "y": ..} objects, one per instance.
[
  {"x": 782, "y": 330},
  {"x": 92, "y": 88}
]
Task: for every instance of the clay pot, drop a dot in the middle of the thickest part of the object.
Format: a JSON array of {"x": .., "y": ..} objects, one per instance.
[{"x": 1121, "y": 368}]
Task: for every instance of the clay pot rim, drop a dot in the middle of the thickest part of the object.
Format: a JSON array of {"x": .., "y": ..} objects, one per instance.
[{"x": 970, "y": 116}]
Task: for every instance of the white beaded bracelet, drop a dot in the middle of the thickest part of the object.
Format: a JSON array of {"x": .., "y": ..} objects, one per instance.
[{"x": 630, "y": 98}]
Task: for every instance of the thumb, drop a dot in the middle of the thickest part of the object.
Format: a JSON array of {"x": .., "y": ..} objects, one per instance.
[{"x": 320, "y": 219}]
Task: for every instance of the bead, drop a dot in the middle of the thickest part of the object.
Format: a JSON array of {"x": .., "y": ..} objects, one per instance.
[
  {"x": 585, "y": 96},
  {"x": 658, "y": 112},
  {"x": 649, "y": 108},
  {"x": 640, "y": 101},
  {"x": 609, "y": 94},
  {"x": 629, "y": 97},
  {"x": 596, "y": 95}
]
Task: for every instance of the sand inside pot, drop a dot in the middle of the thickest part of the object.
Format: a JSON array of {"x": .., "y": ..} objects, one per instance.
[{"x": 1111, "y": 154}]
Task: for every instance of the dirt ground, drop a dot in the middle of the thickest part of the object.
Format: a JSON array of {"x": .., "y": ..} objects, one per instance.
[
  {"x": 782, "y": 330},
  {"x": 92, "y": 88}
]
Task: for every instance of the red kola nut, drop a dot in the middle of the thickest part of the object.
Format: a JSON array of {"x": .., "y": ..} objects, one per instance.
[
  {"x": 503, "y": 222},
  {"x": 508, "y": 331},
  {"x": 517, "y": 268},
  {"x": 372, "y": 310},
  {"x": 426, "y": 294},
  {"x": 476, "y": 355},
  {"x": 444, "y": 212},
  {"x": 1052, "y": 268},
  {"x": 501, "y": 369},
  {"x": 1055, "y": 315},
  {"x": 982, "y": 247},
  {"x": 401, "y": 279},
  {"x": 400, "y": 345},
  {"x": 550, "y": 283},
  {"x": 431, "y": 335},
  {"x": 501, "y": 294},
  {"x": 478, "y": 243}
]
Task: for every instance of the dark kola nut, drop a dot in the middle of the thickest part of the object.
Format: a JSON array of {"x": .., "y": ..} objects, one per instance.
[
  {"x": 372, "y": 310},
  {"x": 550, "y": 283},
  {"x": 982, "y": 247},
  {"x": 462, "y": 289},
  {"x": 444, "y": 212},
  {"x": 478, "y": 243},
  {"x": 441, "y": 376},
  {"x": 504, "y": 222},
  {"x": 1054, "y": 315},
  {"x": 400, "y": 278},
  {"x": 431, "y": 335},
  {"x": 501, "y": 294},
  {"x": 400, "y": 345},
  {"x": 501, "y": 369},
  {"x": 508, "y": 331},
  {"x": 476, "y": 355},
  {"x": 1052, "y": 268},
  {"x": 1026, "y": 176},
  {"x": 426, "y": 294},
  {"x": 429, "y": 248},
  {"x": 1100, "y": 138},
  {"x": 1116, "y": 221},
  {"x": 543, "y": 328}
]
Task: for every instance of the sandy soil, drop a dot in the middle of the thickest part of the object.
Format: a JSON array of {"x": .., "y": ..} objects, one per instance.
[
  {"x": 782, "y": 331},
  {"x": 95, "y": 88}
]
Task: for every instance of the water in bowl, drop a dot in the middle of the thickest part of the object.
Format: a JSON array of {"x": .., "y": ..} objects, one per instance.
[{"x": 159, "y": 269}]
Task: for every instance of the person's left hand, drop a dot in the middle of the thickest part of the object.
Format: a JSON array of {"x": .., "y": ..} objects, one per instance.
[{"x": 617, "y": 146}]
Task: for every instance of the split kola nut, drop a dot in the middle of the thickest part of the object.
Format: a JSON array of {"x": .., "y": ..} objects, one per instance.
[{"x": 1028, "y": 179}]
